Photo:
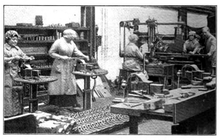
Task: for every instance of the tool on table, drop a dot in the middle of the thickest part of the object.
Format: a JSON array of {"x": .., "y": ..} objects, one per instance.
[
  {"x": 138, "y": 93},
  {"x": 187, "y": 94},
  {"x": 179, "y": 73},
  {"x": 123, "y": 86},
  {"x": 191, "y": 86},
  {"x": 132, "y": 104},
  {"x": 184, "y": 95}
]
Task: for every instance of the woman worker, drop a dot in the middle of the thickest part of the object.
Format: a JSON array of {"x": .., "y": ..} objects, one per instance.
[
  {"x": 192, "y": 45},
  {"x": 12, "y": 55},
  {"x": 63, "y": 91},
  {"x": 133, "y": 56}
]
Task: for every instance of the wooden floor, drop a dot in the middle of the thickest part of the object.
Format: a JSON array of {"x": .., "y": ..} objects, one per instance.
[{"x": 147, "y": 125}]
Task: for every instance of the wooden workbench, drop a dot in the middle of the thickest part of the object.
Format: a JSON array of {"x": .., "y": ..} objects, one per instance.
[
  {"x": 181, "y": 59},
  {"x": 183, "y": 108},
  {"x": 33, "y": 91}
]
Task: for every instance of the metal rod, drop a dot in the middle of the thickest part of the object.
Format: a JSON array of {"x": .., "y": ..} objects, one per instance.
[
  {"x": 119, "y": 39},
  {"x": 124, "y": 44}
]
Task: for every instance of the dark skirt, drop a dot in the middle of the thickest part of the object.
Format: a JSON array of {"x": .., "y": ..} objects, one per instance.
[
  {"x": 63, "y": 100},
  {"x": 12, "y": 97}
]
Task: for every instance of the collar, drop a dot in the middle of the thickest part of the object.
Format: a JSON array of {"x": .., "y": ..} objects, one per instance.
[{"x": 8, "y": 47}]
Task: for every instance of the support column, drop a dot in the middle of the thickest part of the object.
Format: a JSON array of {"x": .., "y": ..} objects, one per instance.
[
  {"x": 88, "y": 20},
  {"x": 182, "y": 16}
]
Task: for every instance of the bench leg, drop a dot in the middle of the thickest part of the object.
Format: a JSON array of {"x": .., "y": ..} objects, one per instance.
[{"x": 133, "y": 121}]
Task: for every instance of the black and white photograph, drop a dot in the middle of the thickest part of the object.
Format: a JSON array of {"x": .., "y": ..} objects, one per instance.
[{"x": 109, "y": 70}]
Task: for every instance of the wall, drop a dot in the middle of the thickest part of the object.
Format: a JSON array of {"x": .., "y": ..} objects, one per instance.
[{"x": 51, "y": 14}]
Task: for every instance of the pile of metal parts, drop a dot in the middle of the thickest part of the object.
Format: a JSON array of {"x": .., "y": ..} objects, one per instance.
[
  {"x": 49, "y": 123},
  {"x": 90, "y": 121},
  {"x": 96, "y": 120}
]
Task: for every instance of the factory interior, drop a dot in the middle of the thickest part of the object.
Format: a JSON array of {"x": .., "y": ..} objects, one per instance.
[{"x": 116, "y": 70}]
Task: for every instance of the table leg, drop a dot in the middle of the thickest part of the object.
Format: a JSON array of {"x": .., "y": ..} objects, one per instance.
[
  {"x": 21, "y": 98},
  {"x": 33, "y": 101},
  {"x": 133, "y": 121},
  {"x": 87, "y": 94}
]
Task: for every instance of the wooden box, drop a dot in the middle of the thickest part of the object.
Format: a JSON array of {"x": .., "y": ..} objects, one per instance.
[{"x": 159, "y": 70}]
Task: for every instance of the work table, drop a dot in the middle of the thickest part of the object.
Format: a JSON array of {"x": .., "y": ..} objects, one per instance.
[{"x": 182, "y": 108}]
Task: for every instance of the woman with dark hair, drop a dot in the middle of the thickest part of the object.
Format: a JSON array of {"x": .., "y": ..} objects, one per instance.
[
  {"x": 63, "y": 91},
  {"x": 12, "y": 55},
  {"x": 192, "y": 45}
]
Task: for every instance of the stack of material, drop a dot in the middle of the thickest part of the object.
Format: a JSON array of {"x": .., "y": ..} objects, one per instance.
[
  {"x": 211, "y": 84},
  {"x": 48, "y": 123},
  {"x": 90, "y": 121},
  {"x": 96, "y": 120}
]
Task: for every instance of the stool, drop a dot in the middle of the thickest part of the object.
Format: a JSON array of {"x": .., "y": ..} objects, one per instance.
[{"x": 124, "y": 75}]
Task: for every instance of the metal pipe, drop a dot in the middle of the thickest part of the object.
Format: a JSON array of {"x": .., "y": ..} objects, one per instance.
[
  {"x": 144, "y": 62},
  {"x": 119, "y": 39},
  {"x": 124, "y": 44}
]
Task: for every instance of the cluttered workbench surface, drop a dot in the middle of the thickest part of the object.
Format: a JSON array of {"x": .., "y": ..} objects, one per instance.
[
  {"x": 176, "y": 97},
  {"x": 179, "y": 105}
]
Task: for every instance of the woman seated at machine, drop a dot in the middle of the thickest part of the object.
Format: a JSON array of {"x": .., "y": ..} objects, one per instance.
[
  {"x": 133, "y": 56},
  {"x": 192, "y": 45}
]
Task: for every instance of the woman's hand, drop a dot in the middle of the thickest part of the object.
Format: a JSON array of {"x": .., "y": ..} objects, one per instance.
[
  {"x": 26, "y": 58},
  {"x": 32, "y": 57},
  {"x": 87, "y": 58},
  {"x": 191, "y": 52},
  {"x": 146, "y": 61},
  {"x": 81, "y": 61}
]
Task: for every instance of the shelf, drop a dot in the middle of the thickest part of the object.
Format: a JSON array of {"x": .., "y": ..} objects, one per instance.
[
  {"x": 35, "y": 41},
  {"x": 37, "y": 54},
  {"x": 47, "y": 41},
  {"x": 45, "y": 28},
  {"x": 43, "y": 68},
  {"x": 80, "y": 40}
]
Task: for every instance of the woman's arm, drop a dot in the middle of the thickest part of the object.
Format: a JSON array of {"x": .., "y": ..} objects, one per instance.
[
  {"x": 54, "y": 49},
  {"x": 184, "y": 46},
  {"x": 139, "y": 54},
  {"x": 213, "y": 43},
  {"x": 197, "y": 46},
  {"x": 24, "y": 56},
  {"x": 8, "y": 57},
  {"x": 77, "y": 52}
]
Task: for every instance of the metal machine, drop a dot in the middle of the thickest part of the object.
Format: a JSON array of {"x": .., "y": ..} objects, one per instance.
[{"x": 156, "y": 41}]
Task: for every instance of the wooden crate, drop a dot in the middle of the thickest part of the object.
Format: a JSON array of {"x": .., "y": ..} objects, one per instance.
[
  {"x": 160, "y": 70},
  {"x": 164, "y": 72}
]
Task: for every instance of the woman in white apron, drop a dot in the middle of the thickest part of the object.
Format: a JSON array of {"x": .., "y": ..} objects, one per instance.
[{"x": 63, "y": 91}]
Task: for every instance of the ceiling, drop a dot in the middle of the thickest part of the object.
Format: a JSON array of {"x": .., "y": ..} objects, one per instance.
[{"x": 199, "y": 9}]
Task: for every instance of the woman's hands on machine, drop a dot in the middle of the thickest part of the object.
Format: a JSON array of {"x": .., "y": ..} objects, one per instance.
[
  {"x": 82, "y": 59},
  {"x": 25, "y": 58},
  {"x": 87, "y": 58},
  {"x": 146, "y": 61}
]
